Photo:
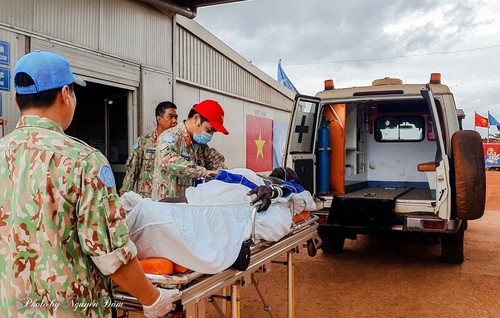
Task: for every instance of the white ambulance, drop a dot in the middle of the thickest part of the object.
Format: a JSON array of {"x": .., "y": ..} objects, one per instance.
[{"x": 389, "y": 156}]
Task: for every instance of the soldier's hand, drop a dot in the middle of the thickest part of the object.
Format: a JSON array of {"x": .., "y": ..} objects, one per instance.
[
  {"x": 210, "y": 174},
  {"x": 264, "y": 195},
  {"x": 162, "y": 305}
]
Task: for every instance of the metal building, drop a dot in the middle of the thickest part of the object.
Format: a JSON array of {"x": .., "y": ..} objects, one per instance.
[{"x": 134, "y": 54}]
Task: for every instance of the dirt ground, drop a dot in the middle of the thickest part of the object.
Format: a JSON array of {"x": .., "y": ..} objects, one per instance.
[
  {"x": 392, "y": 275},
  {"x": 493, "y": 190}
]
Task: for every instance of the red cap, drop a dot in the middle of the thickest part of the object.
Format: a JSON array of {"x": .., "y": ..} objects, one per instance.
[{"x": 214, "y": 113}]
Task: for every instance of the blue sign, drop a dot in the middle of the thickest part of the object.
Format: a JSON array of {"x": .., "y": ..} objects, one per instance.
[
  {"x": 4, "y": 53},
  {"x": 4, "y": 79}
]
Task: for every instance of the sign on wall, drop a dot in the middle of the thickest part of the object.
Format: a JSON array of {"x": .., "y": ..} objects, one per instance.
[
  {"x": 4, "y": 53},
  {"x": 4, "y": 79}
]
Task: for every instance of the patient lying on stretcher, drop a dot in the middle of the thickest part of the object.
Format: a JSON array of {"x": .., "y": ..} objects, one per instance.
[
  {"x": 206, "y": 234},
  {"x": 282, "y": 182}
]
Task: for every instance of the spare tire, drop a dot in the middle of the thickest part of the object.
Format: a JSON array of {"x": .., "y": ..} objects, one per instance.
[{"x": 470, "y": 175}]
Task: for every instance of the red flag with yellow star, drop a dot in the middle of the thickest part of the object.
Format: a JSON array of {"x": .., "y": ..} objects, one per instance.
[
  {"x": 480, "y": 121},
  {"x": 259, "y": 143}
]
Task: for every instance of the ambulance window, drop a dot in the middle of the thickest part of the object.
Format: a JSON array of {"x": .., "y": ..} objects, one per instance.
[
  {"x": 302, "y": 134},
  {"x": 399, "y": 129}
]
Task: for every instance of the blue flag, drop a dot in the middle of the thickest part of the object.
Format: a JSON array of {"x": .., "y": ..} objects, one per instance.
[
  {"x": 492, "y": 121},
  {"x": 284, "y": 80}
]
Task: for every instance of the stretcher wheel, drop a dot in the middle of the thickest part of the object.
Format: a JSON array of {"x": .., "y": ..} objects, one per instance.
[
  {"x": 311, "y": 248},
  {"x": 243, "y": 259}
]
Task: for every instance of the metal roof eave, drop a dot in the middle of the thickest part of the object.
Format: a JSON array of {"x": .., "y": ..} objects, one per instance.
[{"x": 187, "y": 8}]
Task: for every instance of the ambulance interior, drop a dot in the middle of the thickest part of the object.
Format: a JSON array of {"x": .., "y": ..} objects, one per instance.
[{"x": 379, "y": 149}]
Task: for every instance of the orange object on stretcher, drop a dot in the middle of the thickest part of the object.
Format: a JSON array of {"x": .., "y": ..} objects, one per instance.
[
  {"x": 302, "y": 216},
  {"x": 180, "y": 269},
  {"x": 158, "y": 266},
  {"x": 161, "y": 266}
]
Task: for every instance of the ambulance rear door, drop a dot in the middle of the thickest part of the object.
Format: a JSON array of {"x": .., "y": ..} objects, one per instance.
[
  {"x": 300, "y": 148},
  {"x": 443, "y": 198}
]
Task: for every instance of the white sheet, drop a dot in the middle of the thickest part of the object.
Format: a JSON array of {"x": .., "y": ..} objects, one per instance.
[
  {"x": 205, "y": 238},
  {"x": 206, "y": 234}
]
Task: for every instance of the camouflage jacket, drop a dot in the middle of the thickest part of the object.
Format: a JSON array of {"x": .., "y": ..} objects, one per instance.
[
  {"x": 179, "y": 161},
  {"x": 62, "y": 226},
  {"x": 139, "y": 176}
]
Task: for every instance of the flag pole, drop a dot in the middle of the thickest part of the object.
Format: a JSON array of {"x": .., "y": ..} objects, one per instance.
[
  {"x": 475, "y": 116},
  {"x": 488, "y": 137}
]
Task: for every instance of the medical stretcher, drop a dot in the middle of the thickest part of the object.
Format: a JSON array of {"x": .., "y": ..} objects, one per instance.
[{"x": 197, "y": 289}]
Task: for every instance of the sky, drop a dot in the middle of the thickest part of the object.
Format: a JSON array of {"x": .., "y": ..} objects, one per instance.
[{"x": 355, "y": 42}]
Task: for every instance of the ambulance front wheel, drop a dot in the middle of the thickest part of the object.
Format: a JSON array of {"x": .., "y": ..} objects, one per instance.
[{"x": 243, "y": 259}]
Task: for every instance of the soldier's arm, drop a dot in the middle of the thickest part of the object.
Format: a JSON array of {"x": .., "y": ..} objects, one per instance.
[
  {"x": 102, "y": 227},
  {"x": 134, "y": 163},
  {"x": 214, "y": 159},
  {"x": 173, "y": 163},
  {"x": 103, "y": 232},
  {"x": 130, "y": 277}
]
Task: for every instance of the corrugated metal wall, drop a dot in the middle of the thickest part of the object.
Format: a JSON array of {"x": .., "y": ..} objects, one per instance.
[
  {"x": 201, "y": 62},
  {"x": 145, "y": 35},
  {"x": 18, "y": 13},
  {"x": 207, "y": 68},
  {"x": 136, "y": 31},
  {"x": 158, "y": 89},
  {"x": 108, "y": 40},
  {"x": 74, "y": 21},
  {"x": 129, "y": 44},
  {"x": 94, "y": 66}
]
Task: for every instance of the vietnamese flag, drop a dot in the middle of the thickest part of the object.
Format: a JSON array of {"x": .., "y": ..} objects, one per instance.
[
  {"x": 259, "y": 143},
  {"x": 480, "y": 121}
]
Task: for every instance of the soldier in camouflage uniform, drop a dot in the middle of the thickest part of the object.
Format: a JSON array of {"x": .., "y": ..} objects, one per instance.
[
  {"x": 139, "y": 176},
  {"x": 62, "y": 228},
  {"x": 182, "y": 153}
]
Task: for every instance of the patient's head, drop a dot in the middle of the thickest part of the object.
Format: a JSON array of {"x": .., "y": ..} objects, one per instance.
[{"x": 285, "y": 174}]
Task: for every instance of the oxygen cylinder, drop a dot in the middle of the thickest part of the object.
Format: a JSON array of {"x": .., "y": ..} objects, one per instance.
[
  {"x": 323, "y": 159},
  {"x": 336, "y": 114}
]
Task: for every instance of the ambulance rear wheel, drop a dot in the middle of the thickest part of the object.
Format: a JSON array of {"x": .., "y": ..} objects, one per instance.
[
  {"x": 243, "y": 259},
  {"x": 332, "y": 244},
  {"x": 452, "y": 246}
]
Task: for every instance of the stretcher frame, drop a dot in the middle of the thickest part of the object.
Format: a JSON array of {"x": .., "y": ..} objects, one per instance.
[{"x": 194, "y": 297}]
